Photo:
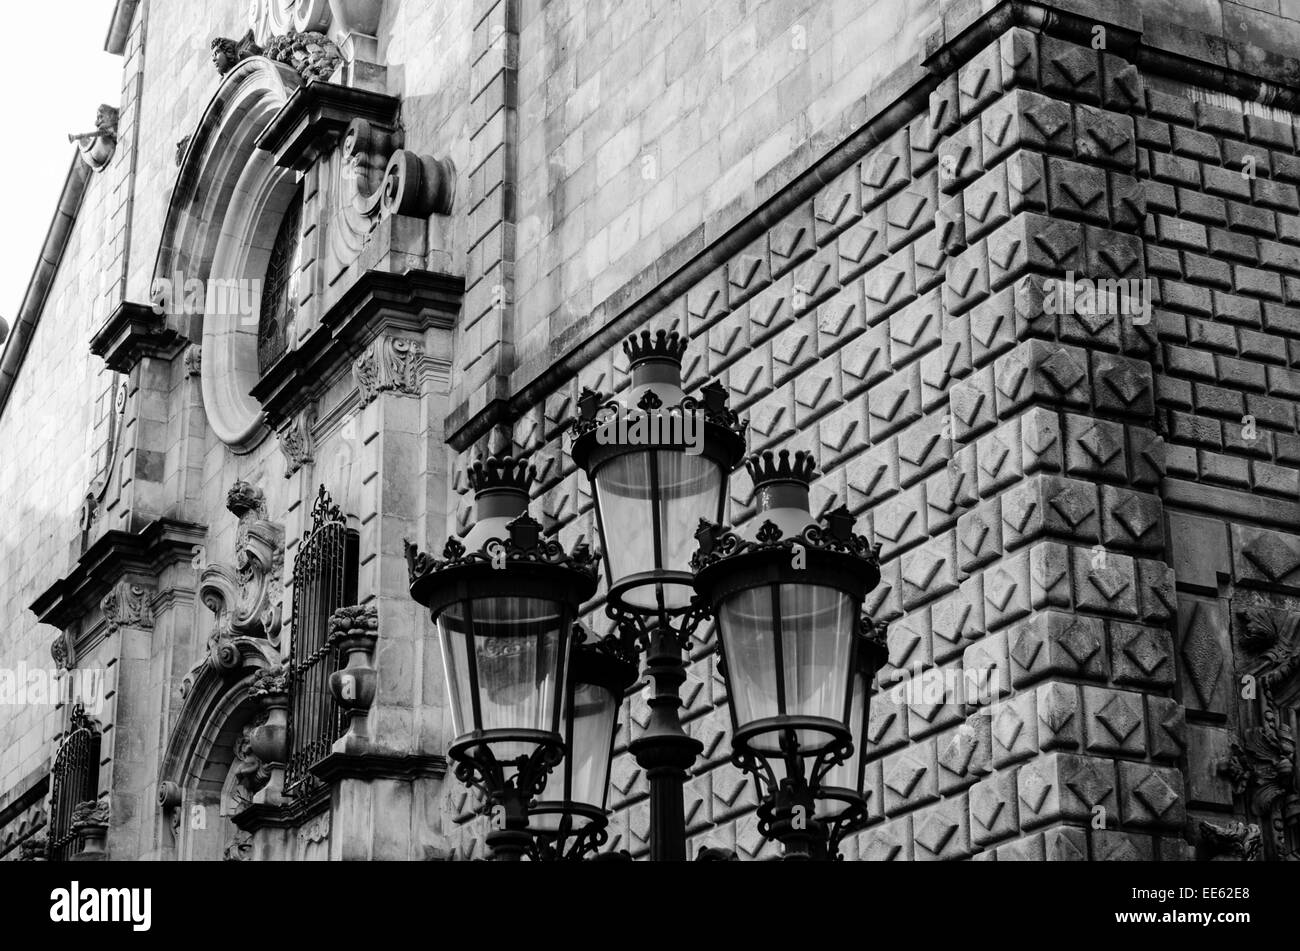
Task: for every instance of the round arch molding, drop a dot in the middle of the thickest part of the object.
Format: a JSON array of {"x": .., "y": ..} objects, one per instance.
[{"x": 220, "y": 227}]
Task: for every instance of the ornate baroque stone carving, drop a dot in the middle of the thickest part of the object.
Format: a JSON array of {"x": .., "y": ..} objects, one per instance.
[
  {"x": 1262, "y": 764},
  {"x": 226, "y": 55},
  {"x": 1234, "y": 842},
  {"x": 246, "y": 597},
  {"x": 127, "y": 605},
  {"x": 296, "y": 443},
  {"x": 194, "y": 360},
  {"x": 377, "y": 179},
  {"x": 97, "y": 147},
  {"x": 61, "y": 649},
  {"x": 248, "y": 773},
  {"x": 389, "y": 365},
  {"x": 240, "y": 847},
  {"x": 310, "y": 54}
]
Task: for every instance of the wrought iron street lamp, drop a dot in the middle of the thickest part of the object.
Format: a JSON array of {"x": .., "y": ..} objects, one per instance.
[
  {"x": 504, "y": 601},
  {"x": 788, "y": 599},
  {"x": 570, "y": 820},
  {"x": 658, "y": 462}
]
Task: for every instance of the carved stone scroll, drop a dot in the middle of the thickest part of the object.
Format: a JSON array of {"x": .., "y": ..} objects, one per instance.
[{"x": 245, "y": 597}]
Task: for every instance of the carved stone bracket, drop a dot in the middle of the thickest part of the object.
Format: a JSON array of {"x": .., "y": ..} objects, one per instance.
[
  {"x": 378, "y": 179},
  {"x": 128, "y": 605},
  {"x": 389, "y": 365},
  {"x": 63, "y": 650},
  {"x": 98, "y": 147},
  {"x": 296, "y": 442},
  {"x": 246, "y": 597}
]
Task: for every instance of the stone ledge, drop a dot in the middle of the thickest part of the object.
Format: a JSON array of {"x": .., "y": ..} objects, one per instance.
[
  {"x": 132, "y": 332},
  {"x": 381, "y": 764},
  {"x": 414, "y": 300},
  {"x": 114, "y": 555},
  {"x": 316, "y": 116}
]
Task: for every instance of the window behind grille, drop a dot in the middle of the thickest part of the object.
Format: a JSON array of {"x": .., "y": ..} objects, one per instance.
[
  {"x": 280, "y": 287},
  {"x": 324, "y": 579},
  {"x": 75, "y": 780}
]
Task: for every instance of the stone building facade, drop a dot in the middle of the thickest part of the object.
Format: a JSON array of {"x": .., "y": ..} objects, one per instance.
[{"x": 864, "y": 217}]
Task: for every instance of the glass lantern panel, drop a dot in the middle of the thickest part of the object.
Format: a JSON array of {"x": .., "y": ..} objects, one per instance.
[
  {"x": 518, "y": 660},
  {"x": 749, "y": 648},
  {"x": 689, "y": 488}
]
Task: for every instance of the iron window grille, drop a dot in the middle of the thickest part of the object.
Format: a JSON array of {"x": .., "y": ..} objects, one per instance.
[
  {"x": 324, "y": 580},
  {"x": 75, "y": 780}
]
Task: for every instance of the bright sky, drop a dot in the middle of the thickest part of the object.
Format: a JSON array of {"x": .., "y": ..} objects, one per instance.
[{"x": 52, "y": 89}]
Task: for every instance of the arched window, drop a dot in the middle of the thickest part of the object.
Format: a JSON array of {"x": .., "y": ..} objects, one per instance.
[{"x": 280, "y": 287}]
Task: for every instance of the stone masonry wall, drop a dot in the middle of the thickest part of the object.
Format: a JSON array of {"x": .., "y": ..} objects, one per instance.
[{"x": 1028, "y": 472}]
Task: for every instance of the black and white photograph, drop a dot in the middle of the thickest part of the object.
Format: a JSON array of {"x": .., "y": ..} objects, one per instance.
[{"x": 604, "y": 433}]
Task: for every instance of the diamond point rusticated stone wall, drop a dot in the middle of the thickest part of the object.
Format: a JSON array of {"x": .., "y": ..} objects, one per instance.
[{"x": 1072, "y": 503}]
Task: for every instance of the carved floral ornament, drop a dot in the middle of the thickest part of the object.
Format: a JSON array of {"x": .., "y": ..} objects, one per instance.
[
  {"x": 128, "y": 605},
  {"x": 389, "y": 365},
  {"x": 299, "y": 33}
]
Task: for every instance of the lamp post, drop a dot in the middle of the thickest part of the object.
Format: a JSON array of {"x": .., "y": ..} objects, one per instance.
[
  {"x": 658, "y": 462},
  {"x": 504, "y": 601},
  {"x": 535, "y": 706},
  {"x": 788, "y": 598}
]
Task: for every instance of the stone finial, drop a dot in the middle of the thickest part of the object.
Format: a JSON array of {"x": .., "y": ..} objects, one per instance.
[
  {"x": 244, "y": 498},
  {"x": 97, "y": 147}
]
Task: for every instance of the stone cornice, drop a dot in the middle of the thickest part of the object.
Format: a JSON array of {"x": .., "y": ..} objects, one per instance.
[
  {"x": 379, "y": 765},
  {"x": 134, "y": 331},
  {"x": 266, "y": 816},
  {"x": 378, "y": 301},
  {"x": 1158, "y": 47},
  {"x": 315, "y": 118},
  {"x": 38, "y": 288},
  {"x": 115, "y": 555}
]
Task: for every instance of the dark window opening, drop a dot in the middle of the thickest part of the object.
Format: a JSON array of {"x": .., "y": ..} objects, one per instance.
[{"x": 280, "y": 287}]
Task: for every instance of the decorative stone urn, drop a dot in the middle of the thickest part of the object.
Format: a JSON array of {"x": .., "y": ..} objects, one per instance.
[
  {"x": 90, "y": 822},
  {"x": 354, "y": 631},
  {"x": 269, "y": 741}
]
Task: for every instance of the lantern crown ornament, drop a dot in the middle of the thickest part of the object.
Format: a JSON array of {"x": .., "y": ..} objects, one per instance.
[{"x": 662, "y": 345}]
